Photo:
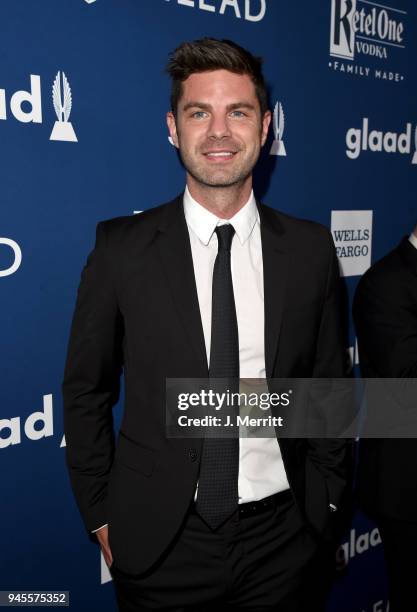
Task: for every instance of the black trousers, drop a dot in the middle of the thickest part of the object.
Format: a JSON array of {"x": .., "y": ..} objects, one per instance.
[
  {"x": 255, "y": 563},
  {"x": 399, "y": 540}
]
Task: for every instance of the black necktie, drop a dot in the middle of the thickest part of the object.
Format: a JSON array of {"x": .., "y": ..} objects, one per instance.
[{"x": 217, "y": 496}]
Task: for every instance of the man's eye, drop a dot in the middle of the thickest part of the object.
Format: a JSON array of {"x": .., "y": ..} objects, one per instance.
[
  {"x": 199, "y": 114},
  {"x": 237, "y": 113}
]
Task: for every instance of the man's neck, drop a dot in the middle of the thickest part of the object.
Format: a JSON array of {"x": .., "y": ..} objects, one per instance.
[{"x": 224, "y": 202}]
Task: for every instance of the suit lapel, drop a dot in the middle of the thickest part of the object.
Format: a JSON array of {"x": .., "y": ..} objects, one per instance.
[
  {"x": 275, "y": 265},
  {"x": 409, "y": 254},
  {"x": 176, "y": 259}
]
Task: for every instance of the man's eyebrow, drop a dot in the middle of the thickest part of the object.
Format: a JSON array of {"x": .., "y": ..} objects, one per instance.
[
  {"x": 196, "y": 105},
  {"x": 247, "y": 105},
  {"x": 229, "y": 107}
]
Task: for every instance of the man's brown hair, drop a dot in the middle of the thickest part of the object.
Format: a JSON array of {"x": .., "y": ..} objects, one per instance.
[{"x": 209, "y": 54}]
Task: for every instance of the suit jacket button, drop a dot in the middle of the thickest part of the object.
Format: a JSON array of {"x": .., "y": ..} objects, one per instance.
[{"x": 192, "y": 453}]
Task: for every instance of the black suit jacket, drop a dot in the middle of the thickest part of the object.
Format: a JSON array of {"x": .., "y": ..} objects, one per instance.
[
  {"x": 385, "y": 314},
  {"x": 137, "y": 310}
]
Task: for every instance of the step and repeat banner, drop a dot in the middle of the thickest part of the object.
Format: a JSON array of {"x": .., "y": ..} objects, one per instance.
[{"x": 83, "y": 97}]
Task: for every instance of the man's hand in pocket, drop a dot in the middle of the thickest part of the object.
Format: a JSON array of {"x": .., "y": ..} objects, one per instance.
[{"x": 103, "y": 538}]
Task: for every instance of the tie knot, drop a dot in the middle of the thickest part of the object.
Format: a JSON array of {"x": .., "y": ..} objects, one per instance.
[{"x": 225, "y": 235}]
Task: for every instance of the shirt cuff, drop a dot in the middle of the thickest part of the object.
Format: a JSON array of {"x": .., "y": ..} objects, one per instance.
[{"x": 98, "y": 529}]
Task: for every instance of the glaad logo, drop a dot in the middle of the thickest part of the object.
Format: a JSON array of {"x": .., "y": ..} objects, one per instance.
[
  {"x": 17, "y": 256},
  {"x": 62, "y": 129},
  {"x": 362, "y": 27},
  {"x": 62, "y": 101},
  {"x": 13, "y": 425},
  {"x": 356, "y": 546},
  {"x": 32, "y": 98},
  {"x": 352, "y": 236},
  {"x": 376, "y": 141},
  {"x": 240, "y": 8},
  {"x": 278, "y": 147}
]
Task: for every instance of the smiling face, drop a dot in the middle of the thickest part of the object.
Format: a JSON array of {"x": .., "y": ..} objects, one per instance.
[{"x": 218, "y": 129}]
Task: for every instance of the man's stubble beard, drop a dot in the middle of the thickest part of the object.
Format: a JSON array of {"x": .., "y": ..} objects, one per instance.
[{"x": 218, "y": 177}]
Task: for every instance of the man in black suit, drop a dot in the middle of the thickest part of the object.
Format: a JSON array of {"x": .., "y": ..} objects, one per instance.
[
  {"x": 211, "y": 283},
  {"x": 385, "y": 314}
]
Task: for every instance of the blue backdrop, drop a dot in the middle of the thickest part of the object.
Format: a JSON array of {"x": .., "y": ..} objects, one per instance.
[{"x": 93, "y": 144}]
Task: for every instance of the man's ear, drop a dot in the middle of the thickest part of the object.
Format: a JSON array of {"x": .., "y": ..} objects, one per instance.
[
  {"x": 266, "y": 120},
  {"x": 172, "y": 127}
]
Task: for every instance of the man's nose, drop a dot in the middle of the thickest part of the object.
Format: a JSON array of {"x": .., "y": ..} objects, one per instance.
[{"x": 219, "y": 126}]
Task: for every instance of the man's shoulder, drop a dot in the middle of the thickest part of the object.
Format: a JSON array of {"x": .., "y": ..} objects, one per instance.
[
  {"x": 385, "y": 284},
  {"x": 301, "y": 232},
  {"x": 145, "y": 219},
  {"x": 142, "y": 225},
  {"x": 384, "y": 272}
]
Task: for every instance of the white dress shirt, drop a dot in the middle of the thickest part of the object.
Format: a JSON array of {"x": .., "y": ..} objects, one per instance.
[
  {"x": 413, "y": 240},
  {"x": 261, "y": 470}
]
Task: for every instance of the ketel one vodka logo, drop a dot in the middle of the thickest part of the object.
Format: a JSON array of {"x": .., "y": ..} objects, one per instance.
[
  {"x": 62, "y": 99},
  {"x": 278, "y": 123},
  {"x": 366, "y": 27}
]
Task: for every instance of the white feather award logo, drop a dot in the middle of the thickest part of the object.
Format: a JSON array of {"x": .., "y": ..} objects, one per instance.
[
  {"x": 278, "y": 146},
  {"x": 62, "y": 99}
]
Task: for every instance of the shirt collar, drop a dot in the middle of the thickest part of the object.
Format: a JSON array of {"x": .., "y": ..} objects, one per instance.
[
  {"x": 413, "y": 240},
  {"x": 203, "y": 222}
]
